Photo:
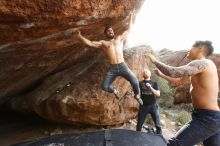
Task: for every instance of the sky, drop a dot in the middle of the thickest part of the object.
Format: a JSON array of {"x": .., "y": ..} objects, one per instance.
[{"x": 176, "y": 24}]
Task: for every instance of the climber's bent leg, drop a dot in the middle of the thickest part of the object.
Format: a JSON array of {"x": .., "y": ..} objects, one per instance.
[
  {"x": 130, "y": 76},
  {"x": 110, "y": 78}
]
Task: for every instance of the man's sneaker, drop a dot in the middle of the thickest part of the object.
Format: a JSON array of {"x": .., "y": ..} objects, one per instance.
[
  {"x": 116, "y": 92},
  {"x": 139, "y": 100},
  {"x": 158, "y": 130}
]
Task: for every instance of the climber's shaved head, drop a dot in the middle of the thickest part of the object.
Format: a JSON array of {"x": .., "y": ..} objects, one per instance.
[
  {"x": 146, "y": 73},
  {"x": 109, "y": 32}
]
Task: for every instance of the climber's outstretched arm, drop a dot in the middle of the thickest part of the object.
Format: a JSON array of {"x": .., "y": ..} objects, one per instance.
[{"x": 93, "y": 44}]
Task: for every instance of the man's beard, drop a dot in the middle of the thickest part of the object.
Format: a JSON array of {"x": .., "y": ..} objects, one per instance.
[{"x": 110, "y": 37}]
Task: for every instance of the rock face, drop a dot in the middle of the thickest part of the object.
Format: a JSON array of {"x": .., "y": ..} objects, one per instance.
[
  {"x": 28, "y": 20},
  {"x": 177, "y": 58},
  {"x": 36, "y": 37},
  {"x": 45, "y": 70},
  {"x": 74, "y": 95}
]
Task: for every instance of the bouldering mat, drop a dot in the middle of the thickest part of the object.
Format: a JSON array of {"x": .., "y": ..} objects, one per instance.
[{"x": 112, "y": 137}]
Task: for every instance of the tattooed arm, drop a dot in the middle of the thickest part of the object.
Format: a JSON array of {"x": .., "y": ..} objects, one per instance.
[
  {"x": 173, "y": 81},
  {"x": 190, "y": 69}
]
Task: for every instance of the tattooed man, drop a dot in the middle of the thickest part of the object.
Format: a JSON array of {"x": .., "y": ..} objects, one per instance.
[{"x": 202, "y": 74}]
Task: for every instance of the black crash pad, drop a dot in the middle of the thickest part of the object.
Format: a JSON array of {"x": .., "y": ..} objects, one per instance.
[{"x": 113, "y": 137}]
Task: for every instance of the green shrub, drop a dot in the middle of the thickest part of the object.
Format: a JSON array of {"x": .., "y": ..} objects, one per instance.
[
  {"x": 166, "y": 97},
  {"x": 183, "y": 117},
  {"x": 185, "y": 107}
]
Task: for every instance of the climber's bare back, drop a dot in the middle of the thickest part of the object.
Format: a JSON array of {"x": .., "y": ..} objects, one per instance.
[
  {"x": 113, "y": 49},
  {"x": 204, "y": 90}
]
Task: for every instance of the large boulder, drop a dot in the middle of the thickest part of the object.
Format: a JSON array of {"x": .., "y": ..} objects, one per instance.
[
  {"x": 36, "y": 37},
  {"x": 29, "y": 20},
  {"x": 74, "y": 95},
  {"x": 178, "y": 58},
  {"x": 46, "y": 70}
]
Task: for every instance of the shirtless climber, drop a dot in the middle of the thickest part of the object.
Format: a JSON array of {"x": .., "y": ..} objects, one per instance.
[
  {"x": 202, "y": 74},
  {"x": 113, "y": 49}
]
